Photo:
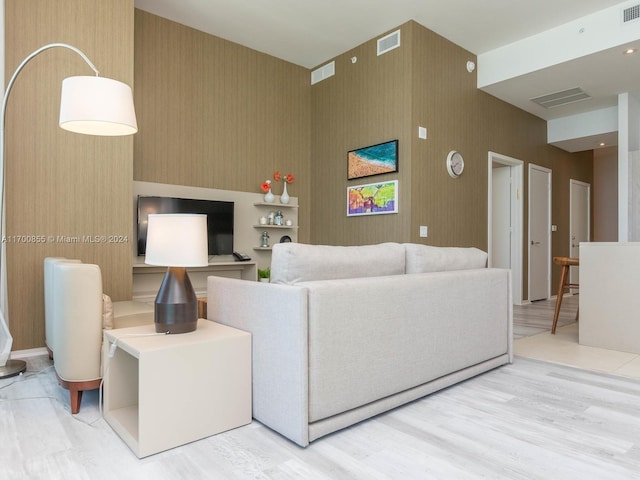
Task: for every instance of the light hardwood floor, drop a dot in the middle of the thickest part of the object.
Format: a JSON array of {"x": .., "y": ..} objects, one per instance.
[
  {"x": 532, "y": 325},
  {"x": 528, "y": 420}
]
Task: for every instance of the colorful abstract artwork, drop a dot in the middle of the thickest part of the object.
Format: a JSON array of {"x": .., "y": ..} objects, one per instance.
[
  {"x": 373, "y": 160},
  {"x": 372, "y": 199}
]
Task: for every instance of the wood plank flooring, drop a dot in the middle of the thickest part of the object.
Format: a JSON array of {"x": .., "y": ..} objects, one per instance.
[
  {"x": 537, "y": 317},
  {"x": 529, "y": 420}
]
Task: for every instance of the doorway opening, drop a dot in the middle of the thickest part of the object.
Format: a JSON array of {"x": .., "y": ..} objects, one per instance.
[
  {"x": 539, "y": 244},
  {"x": 505, "y": 218},
  {"x": 579, "y": 222}
]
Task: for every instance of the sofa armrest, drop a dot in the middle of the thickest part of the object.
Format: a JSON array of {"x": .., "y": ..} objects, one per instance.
[{"x": 276, "y": 317}]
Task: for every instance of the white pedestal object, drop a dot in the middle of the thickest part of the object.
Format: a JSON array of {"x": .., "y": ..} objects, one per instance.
[
  {"x": 162, "y": 391},
  {"x": 609, "y": 296}
]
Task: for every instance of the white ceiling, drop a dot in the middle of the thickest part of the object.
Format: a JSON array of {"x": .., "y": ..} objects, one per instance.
[{"x": 310, "y": 32}]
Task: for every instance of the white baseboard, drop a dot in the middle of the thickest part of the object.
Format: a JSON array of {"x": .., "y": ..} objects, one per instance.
[{"x": 31, "y": 352}]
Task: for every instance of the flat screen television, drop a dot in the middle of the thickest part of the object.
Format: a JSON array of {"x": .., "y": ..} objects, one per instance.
[{"x": 219, "y": 219}]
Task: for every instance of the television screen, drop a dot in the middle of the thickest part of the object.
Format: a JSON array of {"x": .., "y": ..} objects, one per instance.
[{"x": 219, "y": 219}]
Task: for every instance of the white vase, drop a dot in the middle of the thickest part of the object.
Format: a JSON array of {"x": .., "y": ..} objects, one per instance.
[
  {"x": 268, "y": 197},
  {"x": 284, "y": 198}
]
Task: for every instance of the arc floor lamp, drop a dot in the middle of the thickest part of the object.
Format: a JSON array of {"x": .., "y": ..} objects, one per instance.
[{"x": 91, "y": 105}]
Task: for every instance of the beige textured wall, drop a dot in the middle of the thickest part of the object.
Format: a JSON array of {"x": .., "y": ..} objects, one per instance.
[
  {"x": 218, "y": 115},
  {"x": 365, "y": 103},
  {"x": 60, "y": 183},
  {"x": 424, "y": 83},
  {"x": 215, "y": 114},
  {"x": 605, "y": 195}
]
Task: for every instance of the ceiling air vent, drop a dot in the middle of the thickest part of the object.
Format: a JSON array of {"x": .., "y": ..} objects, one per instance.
[
  {"x": 631, "y": 13},
  {"x": 561, "y": 98},
  {"x": 388, "y": 42},
  {"x": 324, "y": 72}
]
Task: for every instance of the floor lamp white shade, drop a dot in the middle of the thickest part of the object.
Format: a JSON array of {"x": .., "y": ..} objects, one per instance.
[
  {"x": 97, "y": 106},
  {"x": 90, "y": 105}
]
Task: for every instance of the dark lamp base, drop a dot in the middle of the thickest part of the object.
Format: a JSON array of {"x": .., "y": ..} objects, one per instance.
[{"x": 176, "y": 306}]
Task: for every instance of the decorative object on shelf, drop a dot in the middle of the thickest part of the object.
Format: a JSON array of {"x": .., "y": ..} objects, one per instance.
[
  {"x": 266, "y": 187},
  {"x": 91, "y": 105},
  {"x": 289, "y": 223},
  {"x": 278, "y": 219},
  {"x": 264, "y": 274},
  {"x": 288, "y": 178},
  {"x": 284, "y": 198},
  {"x": 176, "y": 241},
  {"x": 285, "y": 239},
  {"x": 263, "y": 220},
  {"x": 372, "y": 199},
  {"x": 264, "y": 239},
  {"x": 373, "y": 160}
]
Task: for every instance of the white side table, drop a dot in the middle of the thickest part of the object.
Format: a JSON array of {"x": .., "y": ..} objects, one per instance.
[{"x": 162, "y": 391}]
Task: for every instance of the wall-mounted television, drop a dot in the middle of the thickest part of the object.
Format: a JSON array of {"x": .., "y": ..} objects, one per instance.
[{"x": 219, "y": 219}]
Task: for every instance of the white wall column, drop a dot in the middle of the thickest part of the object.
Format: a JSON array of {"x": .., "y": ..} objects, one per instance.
[{"x": 628, "y": 167}]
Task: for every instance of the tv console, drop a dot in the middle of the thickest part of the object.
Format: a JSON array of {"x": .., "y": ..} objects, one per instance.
[
  {"x": 147, "y": 278},
  {"x": 249, "y": 208}
]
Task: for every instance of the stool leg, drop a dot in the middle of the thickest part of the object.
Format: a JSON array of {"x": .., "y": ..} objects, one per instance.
[{"x": 563, "y": 279}]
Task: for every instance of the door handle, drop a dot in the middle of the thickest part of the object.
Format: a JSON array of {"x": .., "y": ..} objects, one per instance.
[{"x": 534, "y": 243}]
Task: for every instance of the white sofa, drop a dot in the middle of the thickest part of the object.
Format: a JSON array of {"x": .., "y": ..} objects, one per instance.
[{"x": 344, "y": 333}]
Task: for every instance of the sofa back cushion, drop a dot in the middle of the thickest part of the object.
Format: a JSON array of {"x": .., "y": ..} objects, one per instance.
[
  {"x": 299, "y": 262},
  {"x": 426, "y": 258}
]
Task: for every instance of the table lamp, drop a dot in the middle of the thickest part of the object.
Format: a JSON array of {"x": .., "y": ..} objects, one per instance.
[
  {"x": 176, "y": 241},
  {"x": 91, "y": 105}
]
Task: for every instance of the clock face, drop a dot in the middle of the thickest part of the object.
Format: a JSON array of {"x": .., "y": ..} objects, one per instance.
[{"x": 455, "y": 164}]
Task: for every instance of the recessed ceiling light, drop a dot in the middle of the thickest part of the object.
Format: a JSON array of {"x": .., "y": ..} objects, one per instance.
[
  {"x": 602, "y": 144},
  {"x": 629, "y": 51}
]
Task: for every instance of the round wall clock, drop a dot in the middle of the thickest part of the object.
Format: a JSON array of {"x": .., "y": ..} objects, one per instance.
[{"x": 455, "y": 163}]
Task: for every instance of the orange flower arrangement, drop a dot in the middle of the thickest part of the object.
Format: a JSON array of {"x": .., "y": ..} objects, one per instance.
[
  {"x": 288, "y": 178},
  {"x": 266, "y": 185}
]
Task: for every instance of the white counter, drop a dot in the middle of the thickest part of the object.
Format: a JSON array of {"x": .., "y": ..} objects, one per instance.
[{"x": 610, "y": 296}]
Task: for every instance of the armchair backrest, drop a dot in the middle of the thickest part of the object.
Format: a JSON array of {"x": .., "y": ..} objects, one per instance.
[
  {"x": 49, "y": 328},
  {"x": 77, "y": 316}
]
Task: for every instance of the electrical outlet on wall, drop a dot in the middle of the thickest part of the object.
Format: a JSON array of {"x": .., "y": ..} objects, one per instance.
[{"x": 424, "y": 231}]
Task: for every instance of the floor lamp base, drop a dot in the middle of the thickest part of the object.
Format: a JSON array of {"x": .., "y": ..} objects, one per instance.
[{"x": 13, "y": 368}]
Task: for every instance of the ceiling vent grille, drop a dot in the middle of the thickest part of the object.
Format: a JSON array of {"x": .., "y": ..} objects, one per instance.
[
  {"x": 324, "y": 72},
  {"x": 388, "y": 42},
  {"x": 631, "y": 13},
  {"x": 561, "y": 98}
]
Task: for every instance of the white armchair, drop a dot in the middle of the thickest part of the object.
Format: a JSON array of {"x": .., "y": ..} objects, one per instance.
[
  {"x": 74, "y": 310},
  {"x": 48, "y": 304}
]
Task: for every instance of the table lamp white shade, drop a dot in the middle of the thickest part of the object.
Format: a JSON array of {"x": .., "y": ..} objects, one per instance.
[
  {"x": 95, "y": 105},
  {"x": 177, "y": 240}
]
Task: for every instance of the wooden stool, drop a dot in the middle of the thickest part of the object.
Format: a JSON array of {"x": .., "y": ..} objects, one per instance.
[{"x": 565, "y": 263}]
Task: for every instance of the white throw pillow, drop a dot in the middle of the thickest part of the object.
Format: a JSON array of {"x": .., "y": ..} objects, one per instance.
[
  {"x": 299, "y": 262},
  {"x": 107, "y": 312},
  {"x": 427, "y": 258}
]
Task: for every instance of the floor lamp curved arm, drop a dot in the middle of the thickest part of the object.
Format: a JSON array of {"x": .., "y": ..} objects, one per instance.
[{"x": 89, "y": 105}]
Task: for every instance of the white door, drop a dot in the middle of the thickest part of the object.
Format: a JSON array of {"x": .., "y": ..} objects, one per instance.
[
  {"x": 539, "y": 232},
  {"x": 501, "y": 225},
  {"x": 505, "y": 215},
  {"x": 579, "y": 221}
]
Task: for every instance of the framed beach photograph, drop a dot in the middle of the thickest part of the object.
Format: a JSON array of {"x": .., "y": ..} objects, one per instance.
[
  {"x": 372, "y": 199},
  {"x": 373, "y": 160}
]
